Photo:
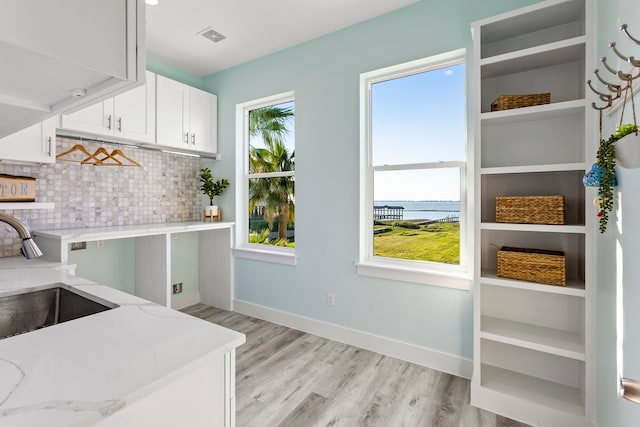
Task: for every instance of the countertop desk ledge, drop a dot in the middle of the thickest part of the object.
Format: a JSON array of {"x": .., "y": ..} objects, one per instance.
[
  {"x": 72, "y": 235},
  {"x": 81, "y": 372}
]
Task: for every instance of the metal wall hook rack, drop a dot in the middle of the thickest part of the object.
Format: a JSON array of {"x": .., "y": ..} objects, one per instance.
[{"x": 626, "y": 79}]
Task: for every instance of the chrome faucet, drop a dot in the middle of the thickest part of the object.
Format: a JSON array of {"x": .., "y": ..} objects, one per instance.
[{"x": 29, "y": 248}]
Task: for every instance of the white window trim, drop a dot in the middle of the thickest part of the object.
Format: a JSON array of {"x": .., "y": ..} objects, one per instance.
[
  {"x": 244, "y": 249},
  {"x": 422, "y": 272}
]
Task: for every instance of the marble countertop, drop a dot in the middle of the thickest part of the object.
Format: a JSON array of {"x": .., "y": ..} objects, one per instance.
[
  {"x": 78, "y": 372},
  {"x": 124, "y": 231}
]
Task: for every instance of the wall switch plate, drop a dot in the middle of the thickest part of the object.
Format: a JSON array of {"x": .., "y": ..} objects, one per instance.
[
  {"x": 331, "y": 299},
  {"x": 177, "y": 288}
]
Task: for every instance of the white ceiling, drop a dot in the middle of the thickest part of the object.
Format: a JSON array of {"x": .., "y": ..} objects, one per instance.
[{"x": 253, "y": 28}]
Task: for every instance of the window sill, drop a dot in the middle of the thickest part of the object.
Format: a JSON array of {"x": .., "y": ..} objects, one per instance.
[
  {"x": 414, "y": 275},
  {"x": 273, "y": 256}
]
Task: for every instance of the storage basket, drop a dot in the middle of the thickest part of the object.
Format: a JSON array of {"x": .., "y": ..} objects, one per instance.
[
  {"x": 532, "y": 265},
  {"x": 507, "y": 102},
  {"x": 530, "y": 209}
]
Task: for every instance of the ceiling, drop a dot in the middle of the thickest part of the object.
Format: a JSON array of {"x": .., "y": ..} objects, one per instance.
[{"x": 253, "y": 28}]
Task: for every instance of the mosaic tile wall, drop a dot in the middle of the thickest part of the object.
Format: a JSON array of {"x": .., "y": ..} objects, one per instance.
[{"x": 164, "y": 189}]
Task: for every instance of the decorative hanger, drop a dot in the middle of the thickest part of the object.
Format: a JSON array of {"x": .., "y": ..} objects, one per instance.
[
  {"x": 76, "y": 148},
  {"x": 101, "y": 157}
]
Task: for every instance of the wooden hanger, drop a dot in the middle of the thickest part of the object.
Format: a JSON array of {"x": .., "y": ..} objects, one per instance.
[
  {"x": 119, "y": 153},
  {"x": 75, "y": 148},
  {"x": 94, "y": 160}
]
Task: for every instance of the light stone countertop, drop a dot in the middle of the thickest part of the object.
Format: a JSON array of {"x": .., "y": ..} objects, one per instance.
[{"x": 78, "y": 372}]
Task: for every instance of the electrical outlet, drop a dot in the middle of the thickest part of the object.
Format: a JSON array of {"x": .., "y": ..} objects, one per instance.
[
  {"x": 177, "y": 288},
  {"x": 331, "y": 299},
  {"x": 77, "y": 246},
  {"x": 174, "y": 236},
  {"x": 99, "y": 243}
]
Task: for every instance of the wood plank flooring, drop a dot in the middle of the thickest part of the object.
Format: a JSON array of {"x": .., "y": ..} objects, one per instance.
[{"x": 289, "y": 378}]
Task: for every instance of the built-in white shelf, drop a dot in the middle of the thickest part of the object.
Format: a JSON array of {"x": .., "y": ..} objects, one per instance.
[
  {"x": 535, "y": 57},
  {"x": 532, "y": 389},
  {"x": 542, "y": 228},
  {"x": 26, "y": 205},
  {"x": 534, "y": 337},
  {"x": 559, "y": 167},
  {"x": 575, "y": 287},
  {"x": 554, "y": 110}
]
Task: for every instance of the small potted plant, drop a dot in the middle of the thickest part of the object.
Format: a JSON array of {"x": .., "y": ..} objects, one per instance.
[
  {"x": 211, "y": 189},
  {"x": 607, "y": 156}
]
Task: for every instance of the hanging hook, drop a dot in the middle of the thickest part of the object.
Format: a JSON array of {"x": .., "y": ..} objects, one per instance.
[
  {"x": 604, "y": 62},
  {"x": 633, "y": 61},
  {"x": 623, "y": 28},
  {"x": 612, "y": 45},
  {"x": 595, "y": 107},
  {"x": 617, "y": 89},
  {"x": 603, "y": 96}
]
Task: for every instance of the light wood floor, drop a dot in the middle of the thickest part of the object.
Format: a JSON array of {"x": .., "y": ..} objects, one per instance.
[{"x": 285, "y": 377}]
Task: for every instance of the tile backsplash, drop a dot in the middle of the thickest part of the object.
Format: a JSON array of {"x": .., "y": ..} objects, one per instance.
[{"x": 165, "y": 189}]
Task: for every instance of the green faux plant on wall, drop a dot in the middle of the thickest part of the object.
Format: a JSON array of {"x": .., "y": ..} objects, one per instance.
[{"x": 607, "y": 163}]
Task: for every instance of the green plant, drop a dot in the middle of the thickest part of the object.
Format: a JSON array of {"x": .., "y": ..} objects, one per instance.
[
  {"x": 607, "y": 163},
  {"x": 209, "y": 187}
]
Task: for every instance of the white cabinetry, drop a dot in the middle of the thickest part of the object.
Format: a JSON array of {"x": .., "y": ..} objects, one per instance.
[
  {"x": 130, "y": 115},
  {"x": 532, "y": 356},
  {"x": 186, "y": 116},
  {"x": 37, "y": 143},
  {"x": 56, "y": 47}
]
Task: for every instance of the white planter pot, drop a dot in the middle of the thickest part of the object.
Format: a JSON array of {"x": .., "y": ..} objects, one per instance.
[
  {"x": 628, "y": 151},
  {"x": 211, "y": 211}
]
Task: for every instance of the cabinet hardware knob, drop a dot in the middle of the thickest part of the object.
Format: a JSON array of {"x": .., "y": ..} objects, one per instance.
[
  {"x": 193, "y": 138},
  {"x": 186, "y": 138},
  {"x": 109, "y": 122},
  {"x": 49, "y": 150},
  {"x": 119, "y": 124}
]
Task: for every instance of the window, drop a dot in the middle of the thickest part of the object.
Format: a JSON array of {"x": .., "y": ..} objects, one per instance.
[
  {"x": 266, "y": 223},
  {"x": 413, "y": 185}
]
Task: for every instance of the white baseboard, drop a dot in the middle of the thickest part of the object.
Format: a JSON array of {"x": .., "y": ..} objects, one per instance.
[
  {"x": 180, "y": 301},
  {"x": 423, "y": 356}
]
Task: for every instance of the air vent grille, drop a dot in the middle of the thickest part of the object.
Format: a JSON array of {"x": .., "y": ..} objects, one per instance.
[{"x": 211, "y": 34}]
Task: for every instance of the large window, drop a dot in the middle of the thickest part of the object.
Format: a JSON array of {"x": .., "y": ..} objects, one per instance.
[
  {"x": 268, "y": 193},
  {"x": 414, "y": 149}
]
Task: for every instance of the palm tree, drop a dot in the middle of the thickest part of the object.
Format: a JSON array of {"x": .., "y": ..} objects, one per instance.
[{"x": 276, "y": 194}]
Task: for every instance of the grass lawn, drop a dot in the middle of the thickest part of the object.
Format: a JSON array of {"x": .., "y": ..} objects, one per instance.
[{"x": 434, "y": 242}]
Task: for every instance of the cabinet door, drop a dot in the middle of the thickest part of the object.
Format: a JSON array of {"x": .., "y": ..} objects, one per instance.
[
  {"x": 97, "y": 119},
  {"x": 134, "y": 112},
  {"x": 36, "y": 143},
  {"x": 170, "y": 127},
  {"x": 202, "y": 119}
]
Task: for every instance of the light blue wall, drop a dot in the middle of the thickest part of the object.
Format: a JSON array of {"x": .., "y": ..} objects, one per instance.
[
  {"x": 112, "y": 265},
  {"x": 324, "y": 74},
  {"x": 621, "y": 272}
]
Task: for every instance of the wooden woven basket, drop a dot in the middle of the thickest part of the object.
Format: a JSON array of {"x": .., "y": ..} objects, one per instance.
[
  {"x": 507, "y": 102},
  {"x": 532, "y": 265},
  {"x": 530, "y": 209}
]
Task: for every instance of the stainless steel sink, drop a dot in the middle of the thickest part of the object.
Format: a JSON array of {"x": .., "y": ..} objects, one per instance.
[{"x": 46, "y": 306}]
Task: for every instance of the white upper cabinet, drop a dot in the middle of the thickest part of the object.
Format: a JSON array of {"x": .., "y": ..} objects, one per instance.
[
  {"x": 36, "y": 144},
  {"x": 186, "y": 116},
  {"x": 65, "y": 54},
  {"x": 130, "y": 115}
]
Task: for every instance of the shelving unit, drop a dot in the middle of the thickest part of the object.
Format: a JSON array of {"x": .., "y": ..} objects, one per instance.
[{"x": 532, "y": 348}]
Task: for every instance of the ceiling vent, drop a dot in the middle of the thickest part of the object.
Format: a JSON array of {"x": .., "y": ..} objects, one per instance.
[{"x": 211, "y": 34}]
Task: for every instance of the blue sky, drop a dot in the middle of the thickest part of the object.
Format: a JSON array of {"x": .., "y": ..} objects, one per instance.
[{"x": 419, "y": 118}]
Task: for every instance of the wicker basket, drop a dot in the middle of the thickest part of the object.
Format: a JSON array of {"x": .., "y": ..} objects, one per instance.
[
  {"x": 532, "y": 265},
  {"x": 507, "y": 102},
  {"x": 530, "y": 209}
]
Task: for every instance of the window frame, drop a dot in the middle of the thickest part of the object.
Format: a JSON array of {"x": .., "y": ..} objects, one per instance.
[
  {"x": 244, "y": 249},
  {"x": 425, "y": 272}
]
